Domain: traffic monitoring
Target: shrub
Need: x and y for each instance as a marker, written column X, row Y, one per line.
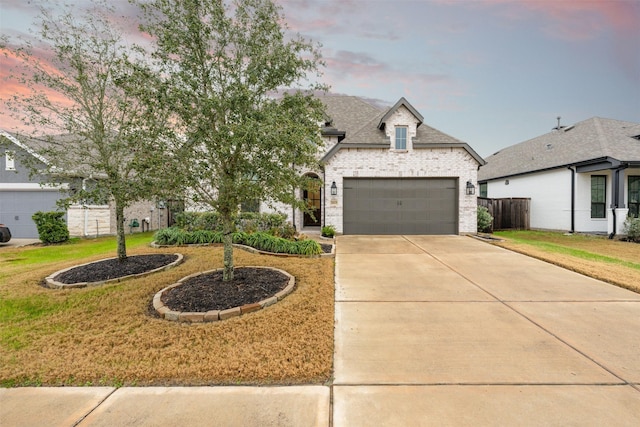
column 260, row 240
column 51, row 226
column 632, row 229
column 286, row 231
column 328, row 231
column 485, row 220
column 248, row 222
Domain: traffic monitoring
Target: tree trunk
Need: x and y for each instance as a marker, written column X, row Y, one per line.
column 122, row 246
column 227, row 240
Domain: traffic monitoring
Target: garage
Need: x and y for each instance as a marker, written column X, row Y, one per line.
column 17, row 207
column 400, row 206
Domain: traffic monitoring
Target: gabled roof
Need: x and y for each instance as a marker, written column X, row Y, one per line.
column 593, row 140
column 40, row 148
column 25, row 147
column 401, row 103
column 363, row 127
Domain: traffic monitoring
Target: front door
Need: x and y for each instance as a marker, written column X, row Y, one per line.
column 312, row 200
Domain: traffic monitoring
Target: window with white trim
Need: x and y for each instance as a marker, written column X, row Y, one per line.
column 401, row 137
column 10, row 160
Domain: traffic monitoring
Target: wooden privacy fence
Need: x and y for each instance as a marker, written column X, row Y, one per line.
column 509, row 213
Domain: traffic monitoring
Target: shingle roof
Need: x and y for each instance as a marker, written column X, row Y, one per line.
column 591, row 139
column 360, row 121
column 348, row 113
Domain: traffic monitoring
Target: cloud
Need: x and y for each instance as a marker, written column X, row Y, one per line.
column 360, row 73
column 326, row 18
column 580, row 21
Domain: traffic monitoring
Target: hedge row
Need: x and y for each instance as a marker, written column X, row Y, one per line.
column 248, row 222
column 259, row 240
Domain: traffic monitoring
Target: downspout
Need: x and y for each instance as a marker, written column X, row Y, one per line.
column 573, row 200
column 323, row 195
column 293, row 206
column 615, row 200
column 86, row 211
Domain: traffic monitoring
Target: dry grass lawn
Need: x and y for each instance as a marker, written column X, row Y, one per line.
column 106, row 336
column 612, row 261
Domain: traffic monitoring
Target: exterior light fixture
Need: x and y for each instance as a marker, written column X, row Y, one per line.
column 471, row 189
column 334, row 189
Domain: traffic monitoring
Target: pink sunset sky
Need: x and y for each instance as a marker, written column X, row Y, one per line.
column 489, row 72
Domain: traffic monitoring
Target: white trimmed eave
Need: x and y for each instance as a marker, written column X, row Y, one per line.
column 31, row 186
column 24, row 147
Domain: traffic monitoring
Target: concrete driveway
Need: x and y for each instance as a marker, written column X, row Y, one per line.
column 449, row 330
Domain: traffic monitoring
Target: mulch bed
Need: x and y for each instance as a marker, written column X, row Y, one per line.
column 208, row 292
column 114, row 268
column 326, row 248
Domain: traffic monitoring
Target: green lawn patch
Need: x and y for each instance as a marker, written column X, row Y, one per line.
column 549, row 242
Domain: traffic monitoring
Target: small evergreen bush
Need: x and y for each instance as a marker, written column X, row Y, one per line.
column 51, row 226
column 328, row 231
column 632, row 229
column 485, row 220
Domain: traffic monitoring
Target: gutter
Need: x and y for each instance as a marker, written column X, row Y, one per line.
column 600, row 160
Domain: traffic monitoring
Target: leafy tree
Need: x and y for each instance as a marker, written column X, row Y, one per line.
column 224, row 66
column 82, row 107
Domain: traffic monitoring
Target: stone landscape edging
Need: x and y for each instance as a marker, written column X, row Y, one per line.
column 215, row 315
column 52, row 283
column 250, row 250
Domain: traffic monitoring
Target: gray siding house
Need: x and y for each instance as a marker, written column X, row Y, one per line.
column 21, row 195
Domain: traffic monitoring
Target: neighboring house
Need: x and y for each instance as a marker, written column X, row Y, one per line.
column 21, row 195
column 386, row 172
column 581, row 178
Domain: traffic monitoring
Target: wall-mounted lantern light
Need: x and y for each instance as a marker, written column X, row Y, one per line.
column 471, row 189
column 334, row 189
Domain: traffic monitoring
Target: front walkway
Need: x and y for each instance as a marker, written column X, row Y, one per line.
column 429, row 331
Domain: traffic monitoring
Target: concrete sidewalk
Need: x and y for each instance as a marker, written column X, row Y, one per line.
column 429, row 331
column 165, row 406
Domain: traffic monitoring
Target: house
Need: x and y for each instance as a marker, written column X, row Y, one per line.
column 580, row 178
column 21, row 195
column 384, row 171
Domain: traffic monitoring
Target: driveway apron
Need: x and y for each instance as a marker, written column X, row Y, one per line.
column 449, row 330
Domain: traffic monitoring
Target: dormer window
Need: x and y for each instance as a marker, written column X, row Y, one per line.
column 401, row 137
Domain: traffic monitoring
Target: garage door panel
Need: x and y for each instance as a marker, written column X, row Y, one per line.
column 400, row 206
column 17, row 208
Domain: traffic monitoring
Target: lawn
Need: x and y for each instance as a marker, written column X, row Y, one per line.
column 613, row 261
column 106, row 335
